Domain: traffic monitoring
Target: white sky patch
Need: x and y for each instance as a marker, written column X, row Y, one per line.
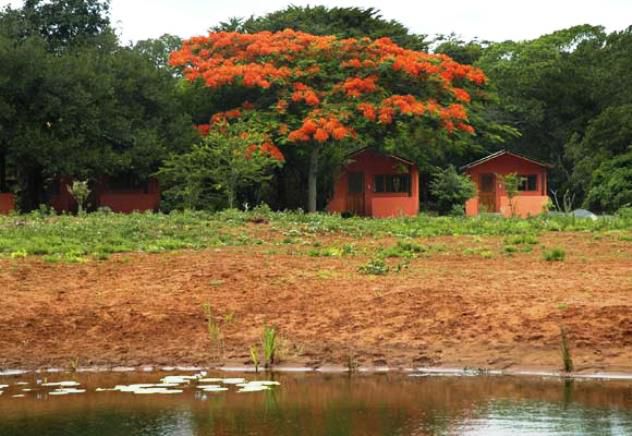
column 494, row 20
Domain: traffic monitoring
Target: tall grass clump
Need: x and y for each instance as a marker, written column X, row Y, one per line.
column 269, row 346
column 214, row 331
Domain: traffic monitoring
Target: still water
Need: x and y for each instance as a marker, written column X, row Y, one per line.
column 317, row 404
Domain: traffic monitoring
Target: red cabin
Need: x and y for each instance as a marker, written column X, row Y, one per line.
column 377, row 185
column 491, row 196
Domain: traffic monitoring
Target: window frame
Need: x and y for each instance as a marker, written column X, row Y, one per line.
column 406, row 189
column 525, row 185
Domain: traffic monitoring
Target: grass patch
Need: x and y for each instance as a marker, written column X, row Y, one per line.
column 376, row 267
column 93, row 236
column 554, row 254
column 405, row 249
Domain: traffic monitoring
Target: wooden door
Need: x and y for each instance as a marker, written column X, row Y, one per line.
column 487, row 193
column 355, row 193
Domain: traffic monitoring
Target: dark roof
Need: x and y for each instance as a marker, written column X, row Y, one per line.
column 501, row 153
column 399, row 158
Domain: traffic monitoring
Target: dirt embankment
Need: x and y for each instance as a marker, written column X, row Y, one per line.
column 446, row 308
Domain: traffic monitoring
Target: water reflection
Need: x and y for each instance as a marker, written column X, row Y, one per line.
column 311, row 404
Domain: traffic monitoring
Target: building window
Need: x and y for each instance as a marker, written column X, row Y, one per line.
column 528, row 183
column 392, row 183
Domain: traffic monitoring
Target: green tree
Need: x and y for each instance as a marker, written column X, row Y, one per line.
column 511, row 184
column 158, row 50
column 544, row 88
column 86, row 109
column 344, row 22
column 461, row 51
column 213, row 172
column 611, row 184
column 608, row 135
column 451, row 189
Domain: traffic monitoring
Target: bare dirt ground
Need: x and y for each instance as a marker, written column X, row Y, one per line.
column 445, row 308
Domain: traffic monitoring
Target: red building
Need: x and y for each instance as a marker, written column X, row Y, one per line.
column 377, row 185
column 121, row 194
column 491, row 197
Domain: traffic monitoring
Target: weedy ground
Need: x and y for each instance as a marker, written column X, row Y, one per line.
column 476, row 292
column 66, row 238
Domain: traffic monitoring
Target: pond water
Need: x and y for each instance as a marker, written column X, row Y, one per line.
column 317, row 404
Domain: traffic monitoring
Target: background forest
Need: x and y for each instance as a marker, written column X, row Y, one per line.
column 75, row 101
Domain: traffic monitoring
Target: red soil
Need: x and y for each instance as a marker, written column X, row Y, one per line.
column 447, row 308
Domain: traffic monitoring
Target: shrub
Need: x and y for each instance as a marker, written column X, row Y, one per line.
column 451, row 189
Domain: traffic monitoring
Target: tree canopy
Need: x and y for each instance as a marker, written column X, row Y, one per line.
column 321, row 91
column 343, row 22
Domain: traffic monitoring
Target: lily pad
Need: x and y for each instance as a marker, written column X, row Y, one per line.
column 62, row 384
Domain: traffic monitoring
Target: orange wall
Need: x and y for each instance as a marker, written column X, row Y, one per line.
column 526, row 203
column 7, row 203
column 379, row 205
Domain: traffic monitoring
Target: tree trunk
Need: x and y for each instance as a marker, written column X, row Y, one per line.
column 312, row 177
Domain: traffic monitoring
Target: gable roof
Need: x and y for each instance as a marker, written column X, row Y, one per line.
column 363, row 149
column 502, row 153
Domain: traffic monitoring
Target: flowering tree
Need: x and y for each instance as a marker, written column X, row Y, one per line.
column 323, row 91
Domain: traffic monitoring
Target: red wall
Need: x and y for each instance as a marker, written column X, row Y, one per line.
column 526, row 202
column 130, row 200
column 63, row 201
column 380, row 205
column 123, row 201
column 7, row 203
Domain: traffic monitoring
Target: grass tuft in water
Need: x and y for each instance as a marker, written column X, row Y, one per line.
column 254, row 356
column 269, row 346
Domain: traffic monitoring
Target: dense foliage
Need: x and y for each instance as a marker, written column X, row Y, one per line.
column 76, row 103
column 452, row 190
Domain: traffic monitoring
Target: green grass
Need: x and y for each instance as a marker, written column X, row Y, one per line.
column 65, row 238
